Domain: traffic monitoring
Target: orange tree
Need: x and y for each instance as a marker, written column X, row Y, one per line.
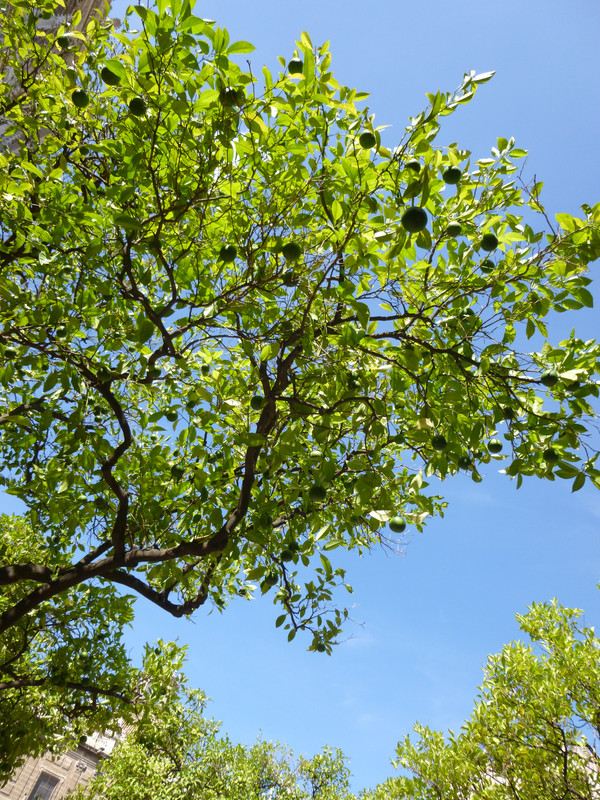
column 238, row 332
column 175, row 751
column 533, row 732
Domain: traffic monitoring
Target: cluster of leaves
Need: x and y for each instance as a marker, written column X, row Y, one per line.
column 222, row 355
column 534, row 731
column 174, row 751
column 65, row 674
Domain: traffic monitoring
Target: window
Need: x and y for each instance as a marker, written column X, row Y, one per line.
column 44, row 786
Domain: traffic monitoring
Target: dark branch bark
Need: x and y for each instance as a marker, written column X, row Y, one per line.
column 24, row 572
column 23, row 683
column 158, row 598
column 116, row 567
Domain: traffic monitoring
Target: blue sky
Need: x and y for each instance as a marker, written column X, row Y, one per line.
column 426, row 620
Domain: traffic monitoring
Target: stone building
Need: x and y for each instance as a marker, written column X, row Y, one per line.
column 52, row 777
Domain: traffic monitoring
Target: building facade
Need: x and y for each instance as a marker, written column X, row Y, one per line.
column 53, row 777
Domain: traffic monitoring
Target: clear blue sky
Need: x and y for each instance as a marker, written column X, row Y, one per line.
column 429, row 618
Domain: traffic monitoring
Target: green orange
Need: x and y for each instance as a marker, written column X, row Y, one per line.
column 414, row 219
column 452, row 175
column 397, row 525
column 228, row 253
column 80, row 98
column 488, row 242
column 367, row 140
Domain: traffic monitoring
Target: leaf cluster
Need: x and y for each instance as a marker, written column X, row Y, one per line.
column 534, row 729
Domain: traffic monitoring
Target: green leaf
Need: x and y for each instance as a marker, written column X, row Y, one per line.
column 126, row 221
column 116, row 66
column 145, row 330
column 240, row 47
column 483, row 77
column 305, row 39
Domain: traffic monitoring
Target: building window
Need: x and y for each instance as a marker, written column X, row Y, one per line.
column 44, row 786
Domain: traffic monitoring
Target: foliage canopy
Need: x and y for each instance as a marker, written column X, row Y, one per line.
column 535, row 728
column 174, row 751
column 224, row 356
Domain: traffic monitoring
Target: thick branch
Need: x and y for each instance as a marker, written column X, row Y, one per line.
column 24, row 572
column 158, row 598
column 23, row 683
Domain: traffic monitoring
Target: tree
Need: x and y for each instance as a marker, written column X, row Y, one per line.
column 66, row 671
column 174, row 751
column 535, row 727
column 239, row 332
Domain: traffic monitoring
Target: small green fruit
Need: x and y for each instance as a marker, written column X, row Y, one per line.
column 439, row 442
column 295, row 66
column 228, row 253
column 291, row 251
column 10, row 352
column 487, row 265
column 452, row 175
column 464, row 462
column 172, row 416
column 264, row 520
column 414, row 219
column 63, row 42
column 229, row 97
column 488, row 242
column 549, row 379
column 137, row 106
column 289, row 278
column 205, row 369
column 257, row 402
column 321, row 648
column 367, row 140
column 177, row 471
column 397, row 525
column 287, row 555
column 269, row 580
column 317, row 493
column 109, row 77
column 454, row 229
column 80, row 98
column 494, row 446
column 413, row 165
column 550, row 455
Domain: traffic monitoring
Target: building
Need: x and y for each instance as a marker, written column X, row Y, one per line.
column 53, row 777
